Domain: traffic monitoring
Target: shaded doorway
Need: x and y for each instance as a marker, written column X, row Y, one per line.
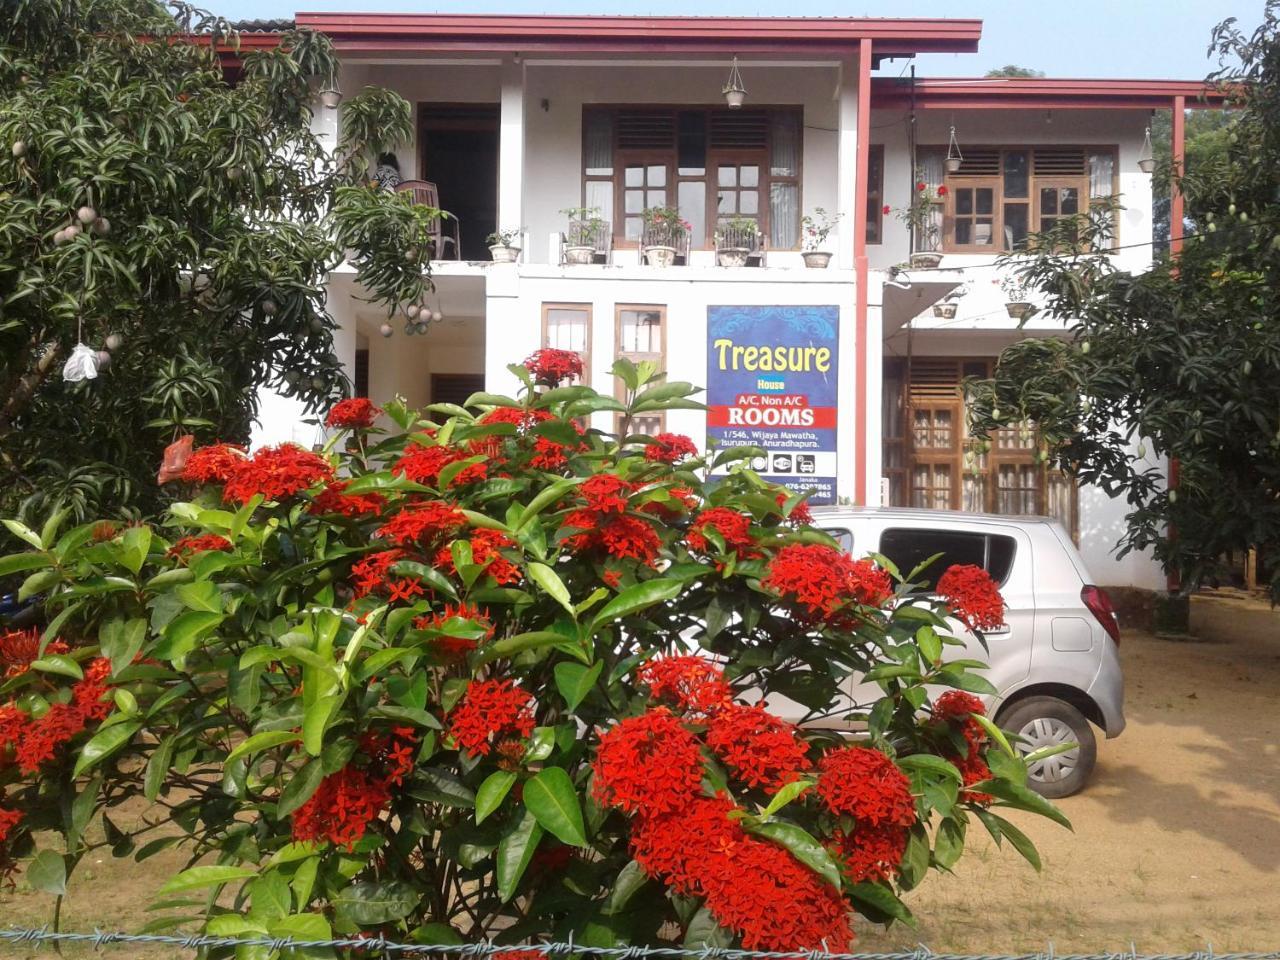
column 459, row 153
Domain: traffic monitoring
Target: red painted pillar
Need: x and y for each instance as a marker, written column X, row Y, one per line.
column 859, row 226
column 1176, row 209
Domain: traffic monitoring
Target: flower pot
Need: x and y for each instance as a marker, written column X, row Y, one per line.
column 923, row 261
column 1020, row 309
column 660, row 256
column 579, row 255
column 945, row 311
column 504, row 254
column 953, row 164
column 735, row 98
column 816, row 259
column 732, row 256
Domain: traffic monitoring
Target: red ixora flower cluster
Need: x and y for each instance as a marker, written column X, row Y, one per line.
column 373, row 575
column 956, row 709
column 864, row 784
column 354, row 413
column 213, row 464
column 821, row 581
column 423, row 464
column 30, row 741
column 426, row 524
column 651, row 766
column 276, row 473
column 800, row 515
column 606, row 527
column 185, row 547
column 550, row 455
column 759, row 749
column 552, row 367
column 972, row 596
column 692, row 683
column 733, row 527
column 20, row 648
column 670, row 448
column 335, row 499
column 486, row 547
column 491, row 713
column 450, row 647
column 347, row 802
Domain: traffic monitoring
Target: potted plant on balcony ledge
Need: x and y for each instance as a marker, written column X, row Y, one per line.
column 815, row 231
column 1017, row 297
column 736, row 238
column 586, row 229
column 919, row 216
column 664, row 235
column 504, row 245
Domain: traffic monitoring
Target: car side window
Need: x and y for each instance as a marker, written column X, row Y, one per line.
column 844, row 538
column 908, row 547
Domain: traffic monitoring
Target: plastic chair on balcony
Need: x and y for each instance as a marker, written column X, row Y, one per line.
column 424, row 192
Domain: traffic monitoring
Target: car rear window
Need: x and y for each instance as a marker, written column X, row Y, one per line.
column 908, row 547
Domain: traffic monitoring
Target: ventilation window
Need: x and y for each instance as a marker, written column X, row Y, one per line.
column 646, row 130
column 1059, row 162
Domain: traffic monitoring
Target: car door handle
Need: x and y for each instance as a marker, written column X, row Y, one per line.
column 998, row 631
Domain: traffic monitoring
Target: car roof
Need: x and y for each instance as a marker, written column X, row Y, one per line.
column 921, row 513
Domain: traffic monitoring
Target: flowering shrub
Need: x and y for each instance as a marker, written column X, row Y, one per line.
column 498, row 676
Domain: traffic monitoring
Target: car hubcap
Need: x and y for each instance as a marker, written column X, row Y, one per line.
column 1049, row 732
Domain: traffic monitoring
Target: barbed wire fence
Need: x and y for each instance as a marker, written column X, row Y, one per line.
column 99, row 939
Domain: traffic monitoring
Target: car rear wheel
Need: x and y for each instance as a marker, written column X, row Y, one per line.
column 1050, row 722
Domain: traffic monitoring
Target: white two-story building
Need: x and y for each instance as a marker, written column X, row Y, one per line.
column 520, row 118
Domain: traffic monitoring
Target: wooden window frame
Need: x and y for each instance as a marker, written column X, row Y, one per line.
column 875, row 195
column 670, row 157
column 545, row 340
column 660, row 357
column 954, row 181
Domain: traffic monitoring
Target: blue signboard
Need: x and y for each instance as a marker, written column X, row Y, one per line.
column 771, row 383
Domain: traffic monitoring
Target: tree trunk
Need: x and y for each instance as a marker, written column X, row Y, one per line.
column 20, row 397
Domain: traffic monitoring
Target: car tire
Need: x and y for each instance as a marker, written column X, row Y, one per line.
column 1046, row 721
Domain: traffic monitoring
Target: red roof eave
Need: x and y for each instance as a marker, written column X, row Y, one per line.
column 958, row 93
column 533, row 33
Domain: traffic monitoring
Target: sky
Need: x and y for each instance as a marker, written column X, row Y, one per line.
column 1162, row 39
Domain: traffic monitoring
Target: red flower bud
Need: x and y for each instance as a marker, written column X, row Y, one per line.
column 886, row 209
column 922, row 186
column 942, row 191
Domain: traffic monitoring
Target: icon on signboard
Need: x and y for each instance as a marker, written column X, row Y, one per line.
column 782, row 463
column 806, row 463
column 760, row 464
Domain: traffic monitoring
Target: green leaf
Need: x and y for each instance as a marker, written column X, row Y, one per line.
column 104, row 743
column 134, row 546
column 158, row 768
column 550, row 495
column 210, row 876
column 185, row 631
column 1022, row 798
column 996, row 734
column 316, row 720
column 302, row 926
column 18, row 562
column 515, row 850
column 367, row 903
column 930, row 644
column 625, row 886
column 802, row 846
column 200, row 596
column 550, row 581
column 784, row 796
column 880, row 899
column 23, row 532
column 963, row 680
column 492, row 792
column 58, row 663
column 508, row 646
column 928, row 762
column 121, row 640
column 949, row 843
column 551, row 797
column 705, row 931
column 38, row 583
column 998, row 826
column 262, row 741
column 48, row 872
column 635, row 598
column 915, row 860
column 300, row 788
column 574, row 681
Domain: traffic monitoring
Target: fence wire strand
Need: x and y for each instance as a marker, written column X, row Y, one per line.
column 99, row 938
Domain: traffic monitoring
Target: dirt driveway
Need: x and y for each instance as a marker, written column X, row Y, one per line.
column 1176, row 842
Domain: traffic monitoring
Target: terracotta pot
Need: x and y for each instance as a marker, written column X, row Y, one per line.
column 925, row 260
column 1020, row 309
column 946, row 311
column 816, row 259
column 660, row 256
column 579, row 255
column 732, row 256
column 504, row 254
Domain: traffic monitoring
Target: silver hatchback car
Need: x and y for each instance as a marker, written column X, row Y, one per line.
column 1055, row 664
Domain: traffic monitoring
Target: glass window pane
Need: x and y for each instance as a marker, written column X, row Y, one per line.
column 909, row 547
column 1101, row 174
column 1015, row 174
column 964, row 232
column 749, row 202
column 567, row 328
column 728, row 203
column 784, row 145
column 986, row 199
column 1070, row 200
column 727, row 176
column 784, row 215
column 633, row 201
column 691, row 197
column 964, row 201
column 633, row 226
column 657, row 176
column 1015, row 225
column 641, row 331
column 1048, row 200
column 597, row 148
column 983, row 233
column 600, row 197
column 633, row 176
column 692, row 143
column 656, row 198
column 750, row 175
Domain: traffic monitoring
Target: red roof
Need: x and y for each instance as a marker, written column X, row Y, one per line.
column 543, row 33
column 960, row 93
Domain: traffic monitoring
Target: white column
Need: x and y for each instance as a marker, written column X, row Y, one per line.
column 846, row 159
column 511, row 147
